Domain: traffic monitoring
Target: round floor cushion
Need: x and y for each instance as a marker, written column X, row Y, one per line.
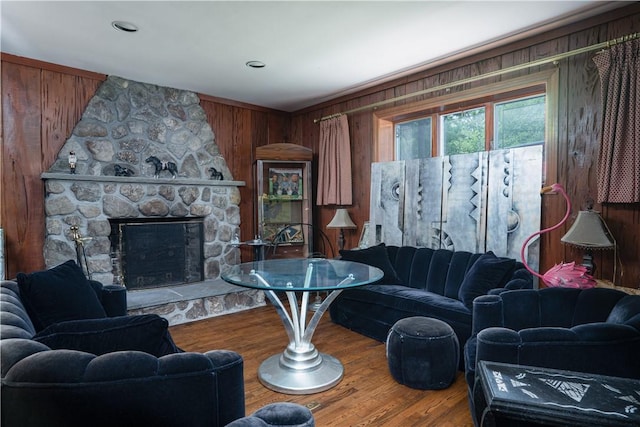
column 423, row 353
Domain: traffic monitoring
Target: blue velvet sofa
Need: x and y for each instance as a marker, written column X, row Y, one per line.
column 435, row 283
column 590, row 330
column 69, row 357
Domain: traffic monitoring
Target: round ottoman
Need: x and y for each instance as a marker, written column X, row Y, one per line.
column 423, row 353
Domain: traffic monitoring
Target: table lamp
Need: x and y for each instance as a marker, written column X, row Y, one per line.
column 341, row 220
column 589, row 232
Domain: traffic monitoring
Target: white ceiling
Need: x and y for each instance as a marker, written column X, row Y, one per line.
column 313, row 51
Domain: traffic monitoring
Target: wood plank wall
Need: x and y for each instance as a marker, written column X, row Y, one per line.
column 578, row 134
column 41, row 103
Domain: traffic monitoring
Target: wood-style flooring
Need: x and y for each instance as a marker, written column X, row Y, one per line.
column 367, row 394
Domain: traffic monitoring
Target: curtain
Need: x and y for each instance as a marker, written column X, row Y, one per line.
column 619, row 161
column 334, row 163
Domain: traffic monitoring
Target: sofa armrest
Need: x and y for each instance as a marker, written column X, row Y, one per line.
column 113, row 299
column 229, row 367
column 487, row 312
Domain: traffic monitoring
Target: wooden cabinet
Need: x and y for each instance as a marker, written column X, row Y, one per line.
column 284, row 192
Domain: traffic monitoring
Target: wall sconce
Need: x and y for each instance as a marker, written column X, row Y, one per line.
column 341, row 220
column 589, row 232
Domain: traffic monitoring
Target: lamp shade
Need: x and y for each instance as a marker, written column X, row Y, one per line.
column 589, row 231
column 341, row 220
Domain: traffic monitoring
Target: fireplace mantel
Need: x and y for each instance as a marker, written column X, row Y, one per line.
column 140, row 180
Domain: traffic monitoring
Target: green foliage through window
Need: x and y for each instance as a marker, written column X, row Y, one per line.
column 516, row 122
column 463, row 132
column 519, row 122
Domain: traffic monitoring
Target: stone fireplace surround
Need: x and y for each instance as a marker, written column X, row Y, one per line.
column 123, row 124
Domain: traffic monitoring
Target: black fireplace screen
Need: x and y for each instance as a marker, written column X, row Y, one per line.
column 154, row 254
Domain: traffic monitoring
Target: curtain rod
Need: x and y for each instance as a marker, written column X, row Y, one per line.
column 554, row 58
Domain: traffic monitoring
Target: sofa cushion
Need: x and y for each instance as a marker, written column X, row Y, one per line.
column 147, row 333
column 59, row 294
column 486, row 273
column 375, row 256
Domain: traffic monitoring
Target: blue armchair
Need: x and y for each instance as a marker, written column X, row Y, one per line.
column 586, row 330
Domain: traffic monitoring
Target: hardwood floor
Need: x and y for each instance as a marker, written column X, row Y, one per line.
column 367, row 394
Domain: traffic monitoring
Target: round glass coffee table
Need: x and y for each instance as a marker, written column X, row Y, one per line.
column 301, row 369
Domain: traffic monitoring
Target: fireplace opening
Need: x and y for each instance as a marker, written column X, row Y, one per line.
column 151, row 253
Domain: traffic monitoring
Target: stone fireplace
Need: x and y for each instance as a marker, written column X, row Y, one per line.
column 123, row 125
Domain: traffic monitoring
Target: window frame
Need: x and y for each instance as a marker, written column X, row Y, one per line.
column 384, row 119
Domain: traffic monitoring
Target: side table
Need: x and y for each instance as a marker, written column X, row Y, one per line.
column 555, row 398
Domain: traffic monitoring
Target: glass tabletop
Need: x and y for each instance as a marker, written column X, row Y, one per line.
column 302, row 274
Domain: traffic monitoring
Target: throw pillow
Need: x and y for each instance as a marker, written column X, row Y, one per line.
column 59, row 294
column 375, row 256
column 146, row 332
column 488, row 272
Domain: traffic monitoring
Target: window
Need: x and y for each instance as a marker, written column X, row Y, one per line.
column 519, row 122
column 462, row 132
column 513, row 112
column 413, row 139
column 491, row 124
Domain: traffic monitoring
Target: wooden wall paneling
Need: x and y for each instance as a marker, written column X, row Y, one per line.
column 221, row 119
column 85, row 89
column 624, row 222
column 277, row 129
column 511, row 59
column 22, row 190
column 583, row 119
column 58, row 113
column 361, row 158
column 261, row 129
column 243, row 167
column 487, row 66
column 623, row 26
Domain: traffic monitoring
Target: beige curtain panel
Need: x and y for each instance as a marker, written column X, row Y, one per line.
column 619, row 161
column 334, row 163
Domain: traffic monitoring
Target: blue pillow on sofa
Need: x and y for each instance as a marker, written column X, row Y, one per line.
column 145, row 332
column 375, row 256
column 59, row 294
column 488, row 272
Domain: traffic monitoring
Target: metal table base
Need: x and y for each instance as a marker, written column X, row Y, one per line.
column 300, row 369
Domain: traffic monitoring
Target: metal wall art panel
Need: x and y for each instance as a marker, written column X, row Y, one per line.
column 386, row 219
column 463, row 204
column 486, row 201
column 423, row 190
column 513, row 209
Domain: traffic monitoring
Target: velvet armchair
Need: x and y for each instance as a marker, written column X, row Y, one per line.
column 586, row 330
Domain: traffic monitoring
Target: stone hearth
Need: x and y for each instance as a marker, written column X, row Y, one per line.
column 123, row 125
column 186, row 303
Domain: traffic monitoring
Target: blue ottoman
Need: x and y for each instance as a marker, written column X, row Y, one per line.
column 423, row 353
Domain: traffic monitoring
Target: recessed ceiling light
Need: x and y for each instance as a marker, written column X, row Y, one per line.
column 126, row 27
column 256, row 64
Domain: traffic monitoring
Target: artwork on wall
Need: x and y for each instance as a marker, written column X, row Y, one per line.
column 285, row 183
column 471, row 202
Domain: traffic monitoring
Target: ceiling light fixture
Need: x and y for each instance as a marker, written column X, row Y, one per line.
column 126, row 27
column 256, row 64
